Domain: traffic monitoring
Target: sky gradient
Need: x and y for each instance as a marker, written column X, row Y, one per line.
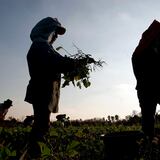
column 107, row 29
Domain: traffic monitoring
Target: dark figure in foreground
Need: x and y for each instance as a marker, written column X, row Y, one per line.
column 45, row 67
column 4, row 108
column 146, row 67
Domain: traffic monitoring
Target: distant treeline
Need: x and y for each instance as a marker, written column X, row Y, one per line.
column 134, row 119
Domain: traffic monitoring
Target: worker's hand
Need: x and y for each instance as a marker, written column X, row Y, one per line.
column 90, row 60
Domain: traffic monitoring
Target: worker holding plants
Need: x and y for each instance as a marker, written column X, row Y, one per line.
column 45, row 66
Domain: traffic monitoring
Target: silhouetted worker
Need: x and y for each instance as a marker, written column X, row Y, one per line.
column 4, row 108
column 146, row 67
column 28, row 121
column 63, row 119
column 45, row 68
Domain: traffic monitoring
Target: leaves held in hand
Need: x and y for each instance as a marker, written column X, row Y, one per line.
column 81, row 74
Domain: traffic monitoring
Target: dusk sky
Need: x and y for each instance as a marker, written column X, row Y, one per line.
column 107, row 29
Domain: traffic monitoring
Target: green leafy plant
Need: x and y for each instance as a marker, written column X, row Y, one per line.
column 85, row 64
column 6, row 152
column 81, row 140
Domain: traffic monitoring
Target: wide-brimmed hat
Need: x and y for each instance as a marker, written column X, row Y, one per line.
column 8, row 102
column 46, row 26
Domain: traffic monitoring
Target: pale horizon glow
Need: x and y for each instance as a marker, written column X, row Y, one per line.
column 107, row 29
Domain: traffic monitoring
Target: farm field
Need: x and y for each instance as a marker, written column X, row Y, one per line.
column 80, row 140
